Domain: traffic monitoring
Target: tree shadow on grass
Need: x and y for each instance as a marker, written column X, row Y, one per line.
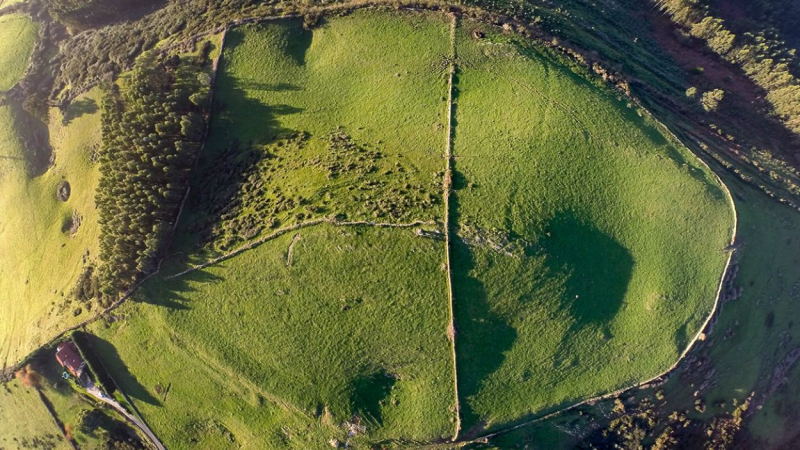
column 35, row 137
column 368, row 392
column 175, row 294
column 597, row 270
column 79, row 108
column 482, row 336
column 241, row 126
column 119, row 371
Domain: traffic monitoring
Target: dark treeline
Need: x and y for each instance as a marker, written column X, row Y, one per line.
column 152, row 131
column 781, row 15
column 89, row 13
column 759, row 52
column 98, row 371
column 87, row 58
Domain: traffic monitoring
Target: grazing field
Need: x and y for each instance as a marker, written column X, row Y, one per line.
column 347, row 120
column 751, row 338
column 17, row 35
column 590, row 246
column 587, row 252
column 305, row 341
column 25, row 420
column 51, row 239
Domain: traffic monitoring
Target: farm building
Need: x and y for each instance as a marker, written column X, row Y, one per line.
column 68, row 356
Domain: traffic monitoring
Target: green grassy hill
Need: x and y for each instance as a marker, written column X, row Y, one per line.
column 341, row 121
column 587, row 255
column 314, row 340
column 36, row 285
column 17, row 35
column 615, row 235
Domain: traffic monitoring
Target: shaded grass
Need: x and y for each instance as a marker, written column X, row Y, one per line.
column 754, row 332
column 40, row 262
column 623, row 235
column 314, row 343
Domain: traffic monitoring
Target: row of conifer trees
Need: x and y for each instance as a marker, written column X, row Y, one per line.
column 152, row 131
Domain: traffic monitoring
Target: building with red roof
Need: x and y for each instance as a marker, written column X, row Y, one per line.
column 68, row 356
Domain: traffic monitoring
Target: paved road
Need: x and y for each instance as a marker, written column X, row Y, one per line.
column 131, row 418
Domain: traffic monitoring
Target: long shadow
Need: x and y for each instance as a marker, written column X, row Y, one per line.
column 241, row 125
column 79, row 108
column 119, row 371
column 175, row 294
column 35, row 137
column 482, row 336
column 597, row 270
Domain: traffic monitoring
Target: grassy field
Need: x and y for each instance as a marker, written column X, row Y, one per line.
column 570, row 269
column 750, row 338
column 17, row 35
column 587, row 255
column 344, row 120
column 25, row 420
column 755, row 332
column 35, row 285
column 591, row 246
column 307, row 344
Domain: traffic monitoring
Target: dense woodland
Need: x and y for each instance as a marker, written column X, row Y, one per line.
column 152, row 129
column 88, row 57
column 88, row 13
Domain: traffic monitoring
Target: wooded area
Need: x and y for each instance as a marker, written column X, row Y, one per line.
column 152, row 129
column 759, row 51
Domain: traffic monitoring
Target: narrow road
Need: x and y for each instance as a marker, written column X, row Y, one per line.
column 94, row 392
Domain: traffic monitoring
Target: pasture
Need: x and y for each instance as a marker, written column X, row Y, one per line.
column 312, row 339
column 346, row 120
column 51, row 239
column 26, row 422
column 591, row 245
column 17, row 35
column 587, row 249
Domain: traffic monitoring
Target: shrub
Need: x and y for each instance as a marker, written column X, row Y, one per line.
column 711, row 99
